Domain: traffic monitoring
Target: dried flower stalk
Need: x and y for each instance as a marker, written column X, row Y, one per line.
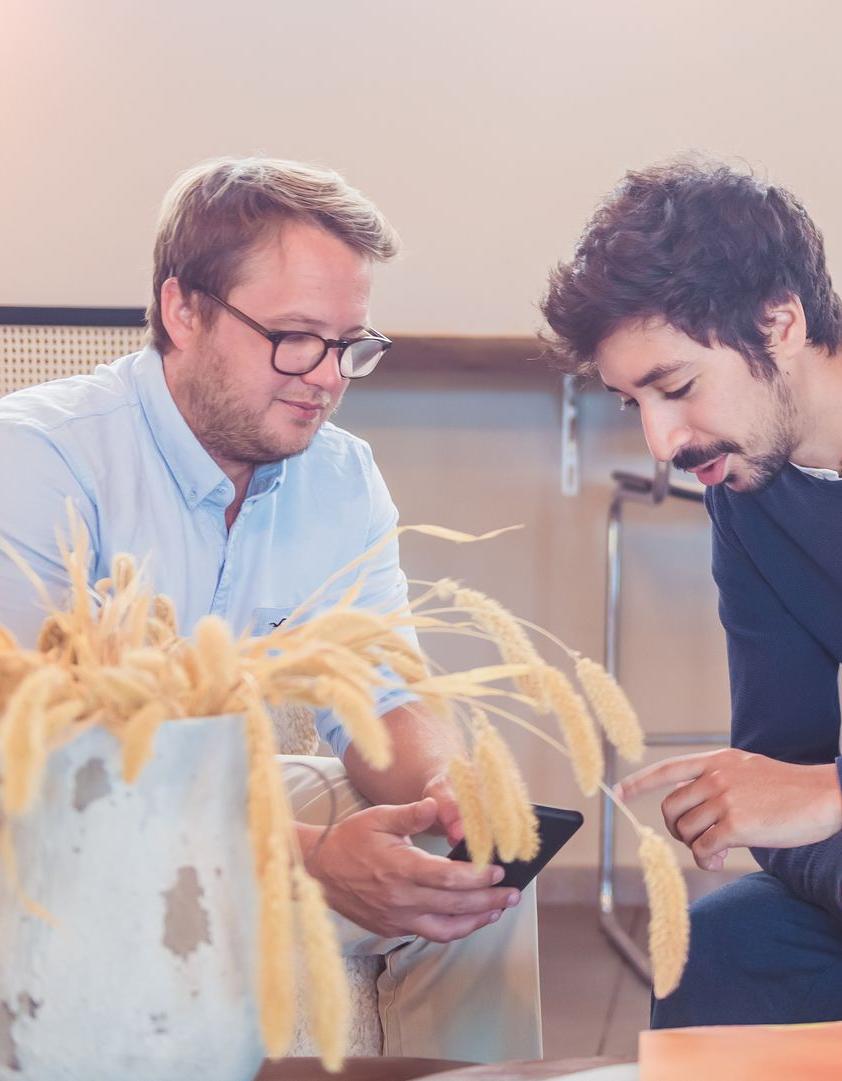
column 114, row 658
column 512, row 641
column 328, row 1002
column 513, row 824
column 577, row 728
column 269, row 826
column 612, row 707
column 475, row 820
column 669, row 923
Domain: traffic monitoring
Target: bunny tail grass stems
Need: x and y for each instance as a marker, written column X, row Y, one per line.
column 510, row 638
column 612, row 708
column 218, row 661
column 9, row 864
column 669, row 922
column 355, row 709
column 439, row 532
column 475, row 821
column 270, row 824
column 123, row 571
column 14, row 667
column 328, row 999
column 163, row 610
column 577, row 727
column 76, row 563
column 137, row 737
column 409, row 669
column 505, row 798
column 23, row 741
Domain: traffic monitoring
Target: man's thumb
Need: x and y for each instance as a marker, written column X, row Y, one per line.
column 408, row 818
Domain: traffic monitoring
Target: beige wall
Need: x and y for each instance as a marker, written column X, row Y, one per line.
column 486, row 129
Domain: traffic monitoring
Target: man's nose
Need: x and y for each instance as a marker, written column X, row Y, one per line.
column 326, row 373
column 664, row 431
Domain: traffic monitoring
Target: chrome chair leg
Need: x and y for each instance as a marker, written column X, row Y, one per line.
column 630, row 487
column 610, row 925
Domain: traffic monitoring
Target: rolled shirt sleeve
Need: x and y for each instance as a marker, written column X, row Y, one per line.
column 384, row 589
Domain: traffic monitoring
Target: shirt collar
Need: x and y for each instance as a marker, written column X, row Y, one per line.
column 822, row 474
column 196, row 473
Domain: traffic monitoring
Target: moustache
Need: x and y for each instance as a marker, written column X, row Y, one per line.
column 694, row 456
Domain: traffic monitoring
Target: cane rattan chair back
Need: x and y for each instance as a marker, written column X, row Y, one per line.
column 39, row 344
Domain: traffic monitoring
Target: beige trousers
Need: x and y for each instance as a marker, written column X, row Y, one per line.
column 476, row 999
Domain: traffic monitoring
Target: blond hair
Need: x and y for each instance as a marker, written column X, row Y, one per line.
column 216, row 212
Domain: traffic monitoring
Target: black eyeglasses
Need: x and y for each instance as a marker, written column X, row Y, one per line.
column 297, row 352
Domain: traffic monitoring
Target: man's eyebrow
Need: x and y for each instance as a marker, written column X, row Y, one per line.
column 313, row 324
column 660, row 371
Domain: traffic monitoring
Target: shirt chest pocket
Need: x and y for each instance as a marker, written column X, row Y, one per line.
column 266, row 620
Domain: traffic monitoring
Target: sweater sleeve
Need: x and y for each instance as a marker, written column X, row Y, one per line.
column 784, row 698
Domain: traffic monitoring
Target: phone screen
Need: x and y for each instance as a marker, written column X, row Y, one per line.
column 555, row 828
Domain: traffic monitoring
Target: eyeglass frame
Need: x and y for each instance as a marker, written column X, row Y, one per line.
column 277, row 336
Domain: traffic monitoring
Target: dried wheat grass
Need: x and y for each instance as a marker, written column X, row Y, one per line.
column 114, row 658
column 612, row 708
column 270, row 823
column 475, row 820
column 577, row 727
column 511, row 639
column 505, row 798
column 669, row 922
column 23, row 738
column 328, row 1001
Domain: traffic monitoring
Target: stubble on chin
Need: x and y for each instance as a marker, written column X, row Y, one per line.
column 230, row 431
column 761, row 469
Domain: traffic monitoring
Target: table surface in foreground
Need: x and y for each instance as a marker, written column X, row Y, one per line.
column 356, row 1069
column 407, row 1069
column 542, row 1070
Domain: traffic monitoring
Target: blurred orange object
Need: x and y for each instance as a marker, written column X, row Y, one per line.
column 743, row 1053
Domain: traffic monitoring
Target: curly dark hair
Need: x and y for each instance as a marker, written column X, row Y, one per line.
column 702, row 246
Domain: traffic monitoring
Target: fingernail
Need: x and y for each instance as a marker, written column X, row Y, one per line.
column 494, row 916
column 512, row 900
column 498, row 875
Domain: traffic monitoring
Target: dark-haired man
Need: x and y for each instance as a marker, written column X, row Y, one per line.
column 700, row 295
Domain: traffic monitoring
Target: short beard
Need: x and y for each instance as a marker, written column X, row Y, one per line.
column 226, row 428
column 761, row 468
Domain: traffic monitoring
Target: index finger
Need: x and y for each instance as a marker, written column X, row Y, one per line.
column 685, row 767
column 439, row 872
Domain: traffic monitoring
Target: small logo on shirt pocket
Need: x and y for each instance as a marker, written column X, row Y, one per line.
column 266, row 620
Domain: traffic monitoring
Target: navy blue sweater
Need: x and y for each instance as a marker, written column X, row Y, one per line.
column 777, row 559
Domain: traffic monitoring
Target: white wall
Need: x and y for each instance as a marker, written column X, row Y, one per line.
column 487, row 130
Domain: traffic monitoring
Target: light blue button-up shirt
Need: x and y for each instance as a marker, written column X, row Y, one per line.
column 116, row 443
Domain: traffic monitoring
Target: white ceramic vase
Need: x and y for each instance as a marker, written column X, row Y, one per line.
column 149, row 973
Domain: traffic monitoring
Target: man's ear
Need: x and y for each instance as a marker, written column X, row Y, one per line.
column 179, row 314
column 787, row 329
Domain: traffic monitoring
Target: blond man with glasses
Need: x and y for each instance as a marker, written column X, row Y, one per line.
column 211, row 454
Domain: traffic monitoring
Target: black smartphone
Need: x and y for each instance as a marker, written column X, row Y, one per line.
column 555, row 828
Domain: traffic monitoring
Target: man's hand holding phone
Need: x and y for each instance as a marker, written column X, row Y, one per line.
column 373, row 874
column 555, row 828
column 448, row 816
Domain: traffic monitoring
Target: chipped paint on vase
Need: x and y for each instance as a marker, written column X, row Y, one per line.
column 148, row 972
